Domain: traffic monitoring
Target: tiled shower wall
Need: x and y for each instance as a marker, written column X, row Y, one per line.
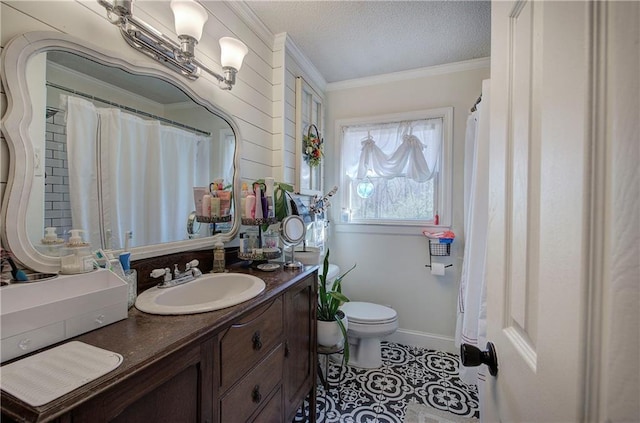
column 57, row 205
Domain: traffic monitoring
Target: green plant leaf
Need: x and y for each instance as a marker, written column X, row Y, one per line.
column 346, row 338
column 280, row 199
column 339, row 296
column 329, row 301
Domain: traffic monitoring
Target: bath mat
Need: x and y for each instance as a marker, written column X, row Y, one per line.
column 418, row 413
column 48, row 375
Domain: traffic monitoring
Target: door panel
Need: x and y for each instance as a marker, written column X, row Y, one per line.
column 537, row 240
column 522, row 165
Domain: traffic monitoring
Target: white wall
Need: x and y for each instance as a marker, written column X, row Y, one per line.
column 391, row 267
column 289, row 64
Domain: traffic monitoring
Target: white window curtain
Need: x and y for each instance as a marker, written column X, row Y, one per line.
column 388, row 150
column 138, row 191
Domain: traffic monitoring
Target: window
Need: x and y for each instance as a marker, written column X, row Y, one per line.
column 396, row 169
column 309, row 111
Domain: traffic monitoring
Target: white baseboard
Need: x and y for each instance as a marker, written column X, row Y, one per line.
column 424, row 340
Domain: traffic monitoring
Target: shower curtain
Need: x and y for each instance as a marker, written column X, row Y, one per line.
column 144, row 170
column 82, row 124
column 471, row 313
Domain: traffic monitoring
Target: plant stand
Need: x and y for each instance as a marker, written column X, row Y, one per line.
column 324, row 377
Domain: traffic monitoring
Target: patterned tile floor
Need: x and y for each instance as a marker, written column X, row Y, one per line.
column 408, row 374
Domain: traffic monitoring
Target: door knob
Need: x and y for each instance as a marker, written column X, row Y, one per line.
column 471, row 356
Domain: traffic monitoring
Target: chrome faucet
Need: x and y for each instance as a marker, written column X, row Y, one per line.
column 190, row 273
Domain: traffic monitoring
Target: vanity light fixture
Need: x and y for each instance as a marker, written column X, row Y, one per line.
column 189, row 21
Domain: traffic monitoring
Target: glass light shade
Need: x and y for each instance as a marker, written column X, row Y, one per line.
column 189, row 18
column 232, row 52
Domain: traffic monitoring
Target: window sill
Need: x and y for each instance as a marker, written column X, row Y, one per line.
column 411, row 230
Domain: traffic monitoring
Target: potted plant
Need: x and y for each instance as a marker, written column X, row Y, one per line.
column 332, row 322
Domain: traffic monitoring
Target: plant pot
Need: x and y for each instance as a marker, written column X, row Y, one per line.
column 329, row 333
column 310, row 256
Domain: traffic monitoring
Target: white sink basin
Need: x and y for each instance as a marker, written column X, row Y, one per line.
column 207, row 293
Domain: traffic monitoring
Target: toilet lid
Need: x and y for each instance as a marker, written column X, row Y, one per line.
column 359, row 312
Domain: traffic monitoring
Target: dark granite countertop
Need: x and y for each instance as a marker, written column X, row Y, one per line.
column 144, row 339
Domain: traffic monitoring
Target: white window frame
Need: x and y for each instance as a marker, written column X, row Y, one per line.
column 443, row 183
column 309, row 181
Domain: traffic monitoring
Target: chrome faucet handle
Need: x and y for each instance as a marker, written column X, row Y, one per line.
column 194, row 270
column 166, row 272
column 191, row 264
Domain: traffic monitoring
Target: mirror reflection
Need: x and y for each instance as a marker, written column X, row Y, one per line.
column 122, row 155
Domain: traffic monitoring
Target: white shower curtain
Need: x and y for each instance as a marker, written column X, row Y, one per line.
column 82, row 125
column 471, row 316
column 139, row 191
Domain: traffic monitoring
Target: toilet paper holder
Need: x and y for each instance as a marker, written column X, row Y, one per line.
column 438, row 248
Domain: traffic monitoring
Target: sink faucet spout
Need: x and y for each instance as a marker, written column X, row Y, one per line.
column 190, row 273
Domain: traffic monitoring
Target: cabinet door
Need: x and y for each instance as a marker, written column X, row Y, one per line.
column 300, row 344
column 168, row 391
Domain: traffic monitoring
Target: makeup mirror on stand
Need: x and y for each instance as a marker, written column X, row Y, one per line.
column 292, row 232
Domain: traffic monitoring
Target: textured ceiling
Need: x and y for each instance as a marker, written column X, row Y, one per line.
column 356, row 39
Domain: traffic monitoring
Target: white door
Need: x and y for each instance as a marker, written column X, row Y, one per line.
column 537, row 267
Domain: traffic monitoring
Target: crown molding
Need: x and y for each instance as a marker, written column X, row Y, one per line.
column 312, row 74
column 278, row 42
column 246, row 15
column 466, row 65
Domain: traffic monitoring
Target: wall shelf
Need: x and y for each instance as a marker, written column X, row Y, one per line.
column 437, row 248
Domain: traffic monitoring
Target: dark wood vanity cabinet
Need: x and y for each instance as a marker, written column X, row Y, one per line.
column 251, row 362
column 258, row 368
column 268, row 359
column 300, row 346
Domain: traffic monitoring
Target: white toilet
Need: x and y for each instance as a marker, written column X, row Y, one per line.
column 368, row 324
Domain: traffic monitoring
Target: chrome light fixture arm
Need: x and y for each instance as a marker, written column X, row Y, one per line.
column 178, row 57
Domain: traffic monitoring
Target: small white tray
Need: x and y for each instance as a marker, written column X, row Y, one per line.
column 43, row 377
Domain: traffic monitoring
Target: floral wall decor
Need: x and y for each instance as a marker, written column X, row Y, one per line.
column 312, row 146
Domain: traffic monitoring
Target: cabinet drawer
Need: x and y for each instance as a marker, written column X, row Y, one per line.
column 32, row 340
column 248, row 341
column 95, row 319
column 254, row 389
column 272, row 412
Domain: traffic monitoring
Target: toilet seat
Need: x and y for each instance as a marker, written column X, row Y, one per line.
column 369, row 313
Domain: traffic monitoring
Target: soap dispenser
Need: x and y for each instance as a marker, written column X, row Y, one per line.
column 218, row 258
column 50, row 244
column 75, row 256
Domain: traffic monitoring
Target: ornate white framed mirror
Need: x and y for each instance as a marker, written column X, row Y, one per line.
column 142, row 184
